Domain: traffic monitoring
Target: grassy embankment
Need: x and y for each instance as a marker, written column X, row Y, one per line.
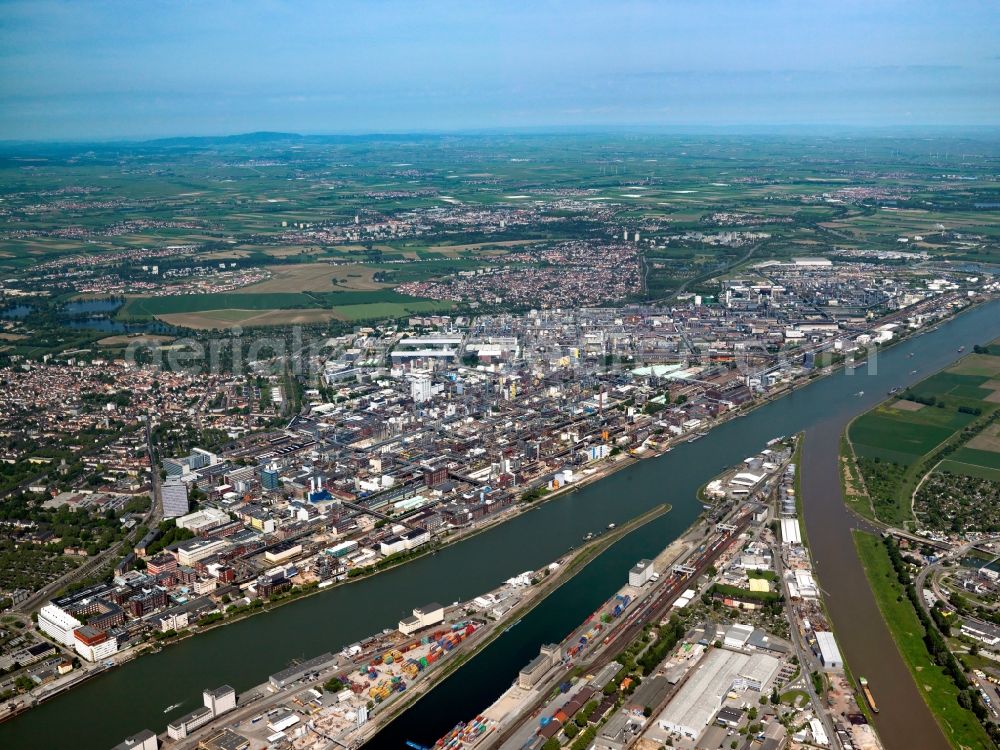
column 940, row 694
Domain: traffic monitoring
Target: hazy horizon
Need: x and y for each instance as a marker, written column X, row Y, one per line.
column 117, row 70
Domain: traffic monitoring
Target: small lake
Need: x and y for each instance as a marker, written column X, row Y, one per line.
column 91, row 306
column 18, row 311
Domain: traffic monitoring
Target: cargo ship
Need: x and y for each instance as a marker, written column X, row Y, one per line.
column 868, row 694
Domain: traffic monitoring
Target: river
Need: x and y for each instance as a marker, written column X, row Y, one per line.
column 101, row 712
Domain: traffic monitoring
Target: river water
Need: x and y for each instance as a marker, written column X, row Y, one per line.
column 101, row 712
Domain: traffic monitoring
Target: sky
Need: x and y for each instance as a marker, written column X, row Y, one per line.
column 150, row 68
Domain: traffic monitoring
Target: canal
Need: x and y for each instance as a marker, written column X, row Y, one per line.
column 101, row 712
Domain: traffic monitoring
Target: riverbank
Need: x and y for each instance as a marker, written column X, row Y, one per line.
column 939, row 692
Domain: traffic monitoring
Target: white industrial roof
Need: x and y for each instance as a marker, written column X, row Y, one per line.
column 693, row 707
column 790, row 533
column 828, row 647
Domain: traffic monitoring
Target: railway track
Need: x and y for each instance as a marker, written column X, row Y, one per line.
column 649, row 611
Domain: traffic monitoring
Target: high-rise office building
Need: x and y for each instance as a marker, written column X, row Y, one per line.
column 175, row 498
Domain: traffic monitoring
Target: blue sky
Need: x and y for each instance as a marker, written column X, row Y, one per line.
column 146, row 68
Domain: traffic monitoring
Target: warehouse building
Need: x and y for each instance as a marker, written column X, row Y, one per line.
column 182, row 727
column 829, row 652
column 641, row 574
column 537, row 667
column 220, row 700
column 423, row 617
column 738, row 635
column 719, row 672
column 790, row 533
column 227, row 739
column 287, row 676
column 144, row 740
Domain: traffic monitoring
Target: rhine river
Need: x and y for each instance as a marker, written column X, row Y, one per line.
column 108, row 708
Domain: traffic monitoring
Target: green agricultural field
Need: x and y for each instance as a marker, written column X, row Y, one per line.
column 903, row 437
column 899, row 442
column 241, row 307
column 973, row 457
column 953, row 384
column 150, row 307
column 970, row 470
column 383, row 310
column 939, row 692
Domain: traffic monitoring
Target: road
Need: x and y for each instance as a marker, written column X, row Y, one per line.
column 807, row 660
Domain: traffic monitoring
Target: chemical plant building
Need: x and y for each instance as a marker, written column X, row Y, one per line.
column 435, row 434
column 63, row 620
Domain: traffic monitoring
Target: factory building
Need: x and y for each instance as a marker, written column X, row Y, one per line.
column 283, row 552
column 343, row 549
column 57, row 623
column 202, row 520
column 404, row 542
column 94, row 645
column 188, row 553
